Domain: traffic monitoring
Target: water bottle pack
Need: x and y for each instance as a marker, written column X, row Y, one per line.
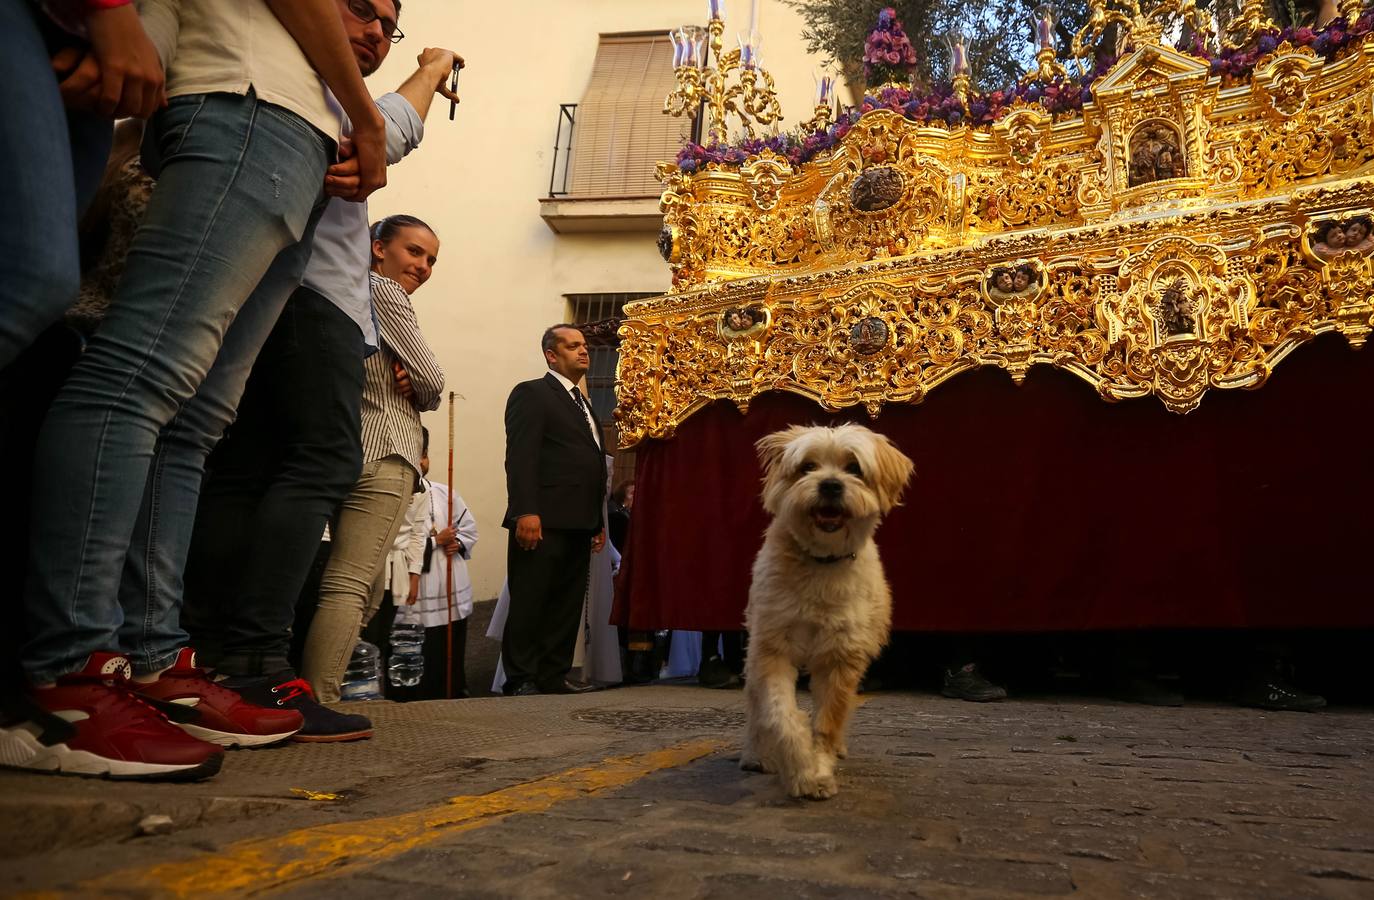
column 407, row 664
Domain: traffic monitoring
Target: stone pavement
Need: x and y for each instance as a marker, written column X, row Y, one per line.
column 516, row 798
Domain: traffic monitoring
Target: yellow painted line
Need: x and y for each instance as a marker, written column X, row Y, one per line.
column 262, row 864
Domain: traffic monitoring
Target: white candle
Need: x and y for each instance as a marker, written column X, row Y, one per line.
column 754, row 17
column 715, row 9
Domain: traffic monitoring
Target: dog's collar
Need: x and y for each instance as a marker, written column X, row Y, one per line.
column 827, row 560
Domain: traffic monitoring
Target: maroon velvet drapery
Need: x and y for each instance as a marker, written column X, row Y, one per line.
column 1044, row 508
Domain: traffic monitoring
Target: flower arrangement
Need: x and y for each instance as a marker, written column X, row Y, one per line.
column 888, row 54
column 1062, row 97
column 1235, row 66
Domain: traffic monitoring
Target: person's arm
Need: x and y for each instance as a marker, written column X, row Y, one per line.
column 524, row 434
column 403, row 112
column 319, row 32
column 121, row 74
column 399, row 330
column 430, row 78
column 465, row 525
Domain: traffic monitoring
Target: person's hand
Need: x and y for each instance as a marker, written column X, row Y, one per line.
column 414, row 594
column 403, row 385
column 448, row 541
column 440, row 63
column 130, row 80
column 342, row 178
column 599, row 542
column 528, row 532
column 369, row 151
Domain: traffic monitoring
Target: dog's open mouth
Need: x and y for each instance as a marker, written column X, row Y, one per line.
column 829, row 517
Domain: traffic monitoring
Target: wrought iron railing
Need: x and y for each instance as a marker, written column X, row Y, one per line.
column 567, row 119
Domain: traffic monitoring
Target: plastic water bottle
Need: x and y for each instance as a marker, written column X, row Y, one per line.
column 407, row 664
column 363, row 677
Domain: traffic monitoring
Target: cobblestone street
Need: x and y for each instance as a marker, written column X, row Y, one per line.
column 637, row 792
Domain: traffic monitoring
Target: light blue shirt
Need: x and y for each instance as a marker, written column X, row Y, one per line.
column 342, row 252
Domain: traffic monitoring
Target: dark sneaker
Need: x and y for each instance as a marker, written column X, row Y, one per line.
column 1273, row 692
column 114, row 732
column 220, row 715
column 715, row 673
column 285, row 690
column 968, row 683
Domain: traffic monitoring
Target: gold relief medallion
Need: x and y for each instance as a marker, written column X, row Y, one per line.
column 744, row 322
column 876, row 189
column 1330, row 238
column 868, row 335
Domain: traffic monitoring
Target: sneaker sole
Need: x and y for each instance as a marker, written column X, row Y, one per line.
column 230, row 740
column 332, row 738
column 972, row 698
column 21, row 750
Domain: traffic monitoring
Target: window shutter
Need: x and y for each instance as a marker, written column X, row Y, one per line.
column 621, row 133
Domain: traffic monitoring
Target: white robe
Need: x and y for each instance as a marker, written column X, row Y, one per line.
column 433, row 602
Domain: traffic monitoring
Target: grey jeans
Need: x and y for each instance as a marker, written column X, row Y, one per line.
column 362, row 535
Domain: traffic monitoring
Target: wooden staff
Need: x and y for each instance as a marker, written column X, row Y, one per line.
column 448, row 564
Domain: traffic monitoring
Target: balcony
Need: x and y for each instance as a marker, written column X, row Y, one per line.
column 608, row 195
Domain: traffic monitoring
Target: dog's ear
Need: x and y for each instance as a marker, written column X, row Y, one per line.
column 771, row 447
column 894, row 471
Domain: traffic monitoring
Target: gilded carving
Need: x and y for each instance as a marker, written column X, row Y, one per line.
column 1178, row 236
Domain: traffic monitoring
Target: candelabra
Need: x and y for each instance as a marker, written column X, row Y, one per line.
column 1047, row 67
column 825, row 101
column 959, row 72
column 703, row 75
column 1252, row 20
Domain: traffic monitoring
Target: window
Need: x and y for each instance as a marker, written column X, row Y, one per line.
column 601, row 313
column 621, row 132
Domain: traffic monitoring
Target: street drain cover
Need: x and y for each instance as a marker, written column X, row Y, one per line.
column 650, row 720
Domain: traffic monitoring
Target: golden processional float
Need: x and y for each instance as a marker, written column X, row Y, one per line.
column 1182, row 224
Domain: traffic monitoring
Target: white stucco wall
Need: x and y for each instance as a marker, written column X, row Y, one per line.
column 502, row 273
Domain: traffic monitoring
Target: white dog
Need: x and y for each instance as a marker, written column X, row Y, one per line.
column 818, row 600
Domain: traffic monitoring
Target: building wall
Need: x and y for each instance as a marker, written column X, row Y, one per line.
column 502, row 273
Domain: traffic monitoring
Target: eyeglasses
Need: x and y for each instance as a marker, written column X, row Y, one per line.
column 362, row 10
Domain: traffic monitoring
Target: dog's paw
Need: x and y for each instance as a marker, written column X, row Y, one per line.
column 842, row 751
column 813, row 787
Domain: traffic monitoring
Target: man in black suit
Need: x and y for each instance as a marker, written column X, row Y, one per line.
column 555, row 485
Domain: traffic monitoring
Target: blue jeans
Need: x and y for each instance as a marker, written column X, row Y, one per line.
column 224, row 242
column 51, row 163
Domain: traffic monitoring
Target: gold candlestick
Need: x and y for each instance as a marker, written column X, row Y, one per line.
column 751, row 97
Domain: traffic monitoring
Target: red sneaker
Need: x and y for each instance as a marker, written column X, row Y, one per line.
column 115, row 732
column 221, row 716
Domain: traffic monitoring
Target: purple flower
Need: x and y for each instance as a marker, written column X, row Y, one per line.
column 1267, row 44
column 687, row 165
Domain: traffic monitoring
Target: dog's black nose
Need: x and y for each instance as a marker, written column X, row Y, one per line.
column 831, row 488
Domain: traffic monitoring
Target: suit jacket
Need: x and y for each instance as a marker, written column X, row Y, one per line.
column 554, row 468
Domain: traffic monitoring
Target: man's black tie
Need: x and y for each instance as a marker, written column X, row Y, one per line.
column 582, row 405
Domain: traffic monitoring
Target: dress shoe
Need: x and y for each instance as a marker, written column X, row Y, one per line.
column 524, row 690
column 967, row 682
column 715, row 672
column 569, row 687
